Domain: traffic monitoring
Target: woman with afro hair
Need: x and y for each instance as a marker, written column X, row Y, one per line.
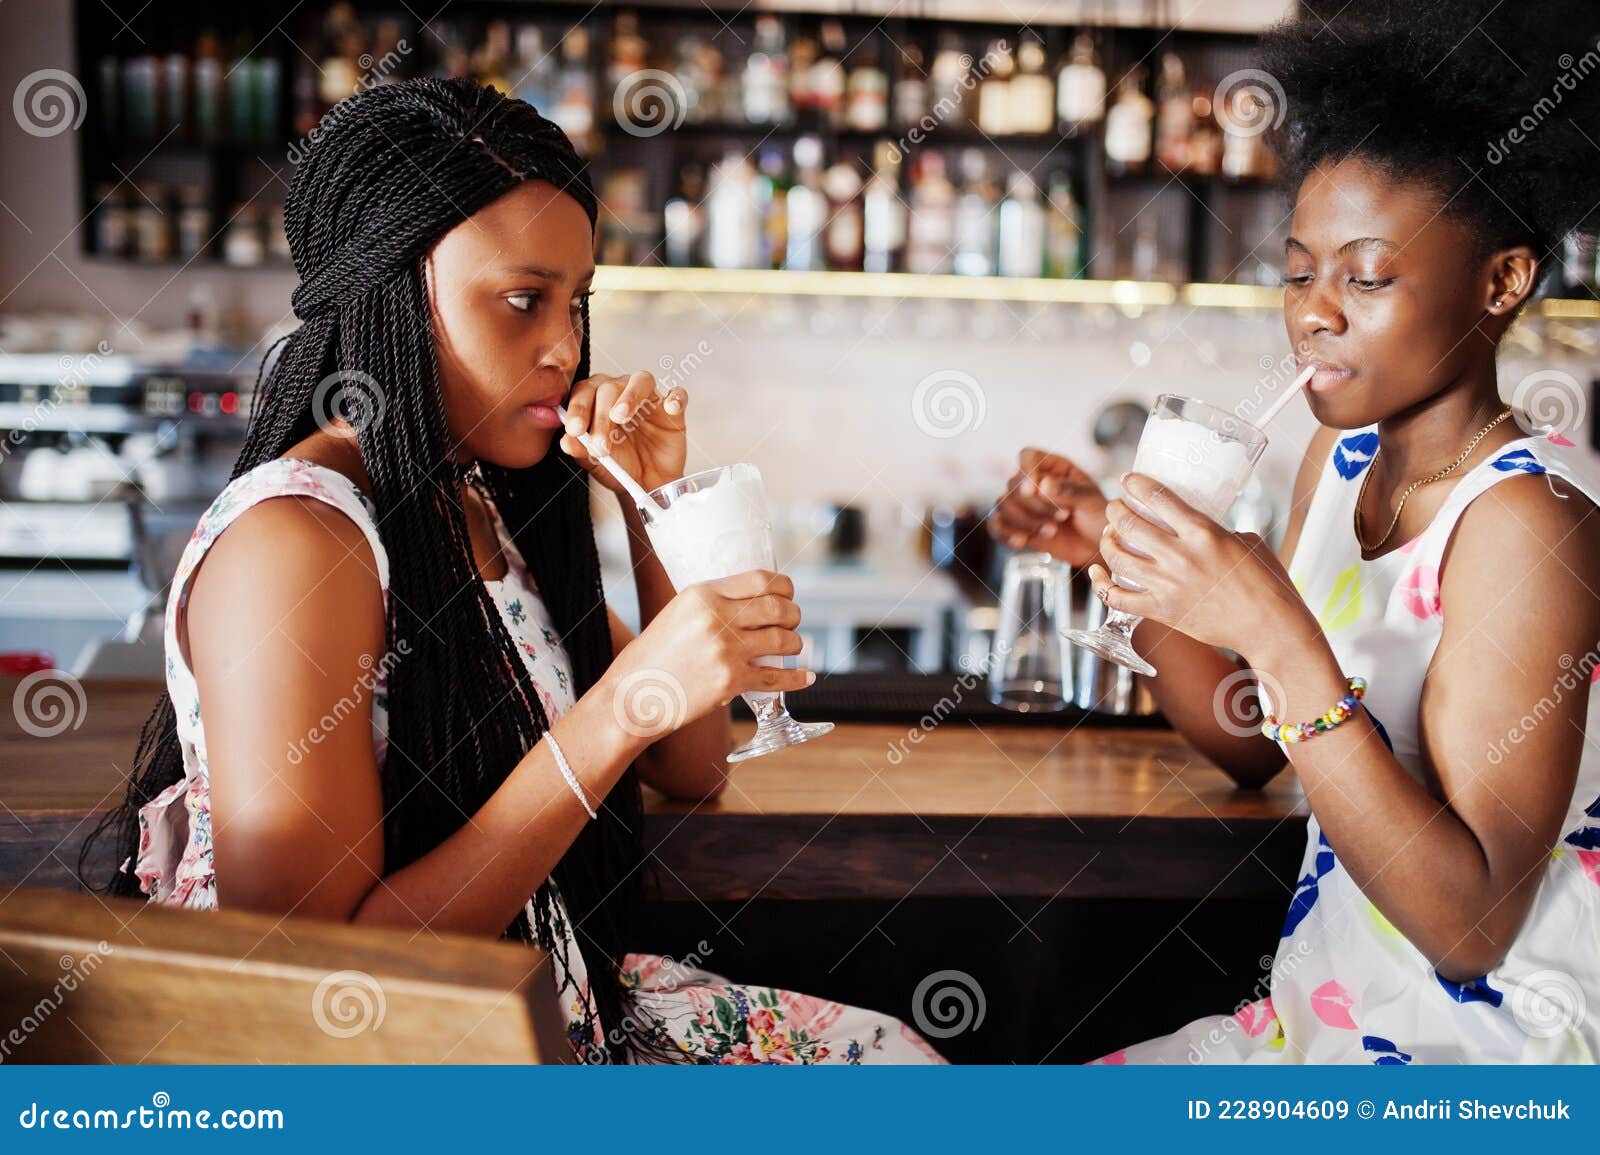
column 1441, row 546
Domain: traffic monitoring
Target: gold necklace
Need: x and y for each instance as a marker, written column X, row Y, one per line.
column 1415, row 485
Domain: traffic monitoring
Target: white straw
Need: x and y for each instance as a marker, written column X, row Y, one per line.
column 1288, row 395
column 636, row 491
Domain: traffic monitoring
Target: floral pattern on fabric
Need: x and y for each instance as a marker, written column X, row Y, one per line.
column 702, row 1014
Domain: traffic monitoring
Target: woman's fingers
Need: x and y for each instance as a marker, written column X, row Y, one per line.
column 637, row 391
column 753, row 584
column 601, row 427
column 772, row 641
column 675, row 405
column 766, row 610
column 580, row 405
column 777, row 680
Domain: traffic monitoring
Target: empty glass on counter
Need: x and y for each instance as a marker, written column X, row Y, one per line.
column 1030, row 661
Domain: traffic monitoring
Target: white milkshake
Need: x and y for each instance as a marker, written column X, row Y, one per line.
column 713, row 525
column 1205, row 468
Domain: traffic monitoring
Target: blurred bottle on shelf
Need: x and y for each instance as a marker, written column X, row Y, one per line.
column 1205, row 136
column 629, row 54
column 867, row 92
column 994, row 90
column 772, row 195
column 194, row 222
column 910, row 86
column 113, row 221
column 1128, row 124
column 1245, row 153
column 573, row 110
column 139, row 95
column 807, row 208
column 828, row 75
column 699, row 71
column 626, row 224
column 1174, row 114
column 536, row 68
column 109, row 91
column 175, row 119
column 491, row 62
column 883, row 213
column 152, row 224
column 1063, row 246
column 1080, row 86
column 931, row 228
column 977, row 224
column 683, row 220
column 242, row 242
column 207, row 88
column 949, row 82
column 842, row 234
column 733, row 226
column 764, row 91
column 1033, row 97
column 343, row 41
column 1022, row 229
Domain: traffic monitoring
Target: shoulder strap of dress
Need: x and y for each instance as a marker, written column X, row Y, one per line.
column 1341, row 473
column 1541, row 455
column 292, row 477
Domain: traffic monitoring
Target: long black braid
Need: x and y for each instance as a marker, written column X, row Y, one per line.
column 392, row 170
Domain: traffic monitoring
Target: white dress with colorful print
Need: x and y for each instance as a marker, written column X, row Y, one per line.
column 1346, row 986
column 710, row 1019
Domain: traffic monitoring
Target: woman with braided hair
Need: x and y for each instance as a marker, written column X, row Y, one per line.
column 404, row 541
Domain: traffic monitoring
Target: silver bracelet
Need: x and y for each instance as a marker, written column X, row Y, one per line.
column 566, row 772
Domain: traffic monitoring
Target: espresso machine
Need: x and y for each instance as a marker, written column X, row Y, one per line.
column 106, row 464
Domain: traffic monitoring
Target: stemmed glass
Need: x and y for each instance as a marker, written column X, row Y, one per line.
column 1203, row 454
column 711, row 525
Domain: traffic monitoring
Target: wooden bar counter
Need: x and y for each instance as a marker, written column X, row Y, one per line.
column 1038, row 812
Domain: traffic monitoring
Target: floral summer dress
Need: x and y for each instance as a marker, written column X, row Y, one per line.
column 709, row 1018
column 1346, row 986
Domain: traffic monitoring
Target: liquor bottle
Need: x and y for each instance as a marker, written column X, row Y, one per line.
column 842, row 236
column 867, row 93
column 1081, row 86
column 1174, row 114
column 208, row 89
column 733, row 227
column 1063, row 246
column 803, row 77
column 1128, row 125
column 683, row 219
column 1033, row 97
column 828, row 76
column 994, row 91
column 764, row 92
column 977, row 228
column 950, row 82
column 1022, row 229
column 808, row 207
column 910, row 87
column 774, row 202
column 492, row 61
column 574, row 107
column 883, row 212
column 931, row 228
column 536, row 69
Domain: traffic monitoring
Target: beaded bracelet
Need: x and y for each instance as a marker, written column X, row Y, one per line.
column 1300, row 731
column 566, row 772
